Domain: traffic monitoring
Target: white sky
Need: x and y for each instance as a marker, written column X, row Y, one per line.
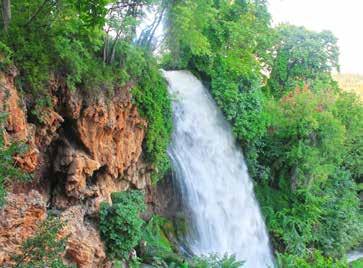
column 343, row 17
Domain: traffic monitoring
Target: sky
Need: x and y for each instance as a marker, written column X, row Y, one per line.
column 343, row 17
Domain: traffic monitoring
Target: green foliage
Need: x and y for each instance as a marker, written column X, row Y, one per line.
column 349, row 109
column 120, row 224
column 308, row 158
column 45, row 248
column 215, row 261
column 341, row 224
column 5, row 57
column 313, row 260
column 8, row 171
column 308, row 199
column 153, row 101
column 302, row 57
column 187, row 20
column 155, row 237
column 306, row 136
column 207, row 37
column 301, row 136
column 68, row 41
column 54, row 38
column 155, row 247
column 357, row 263
column 157, row 250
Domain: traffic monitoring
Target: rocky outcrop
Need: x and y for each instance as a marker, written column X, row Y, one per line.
column 112, row 134
column 18, row 221
column 17, row 127
column 84, row 245
column 77, row 167
column 82, row 150
column 46, row 132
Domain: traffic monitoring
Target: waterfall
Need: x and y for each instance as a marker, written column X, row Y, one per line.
column 355, row 254
column 213, row 179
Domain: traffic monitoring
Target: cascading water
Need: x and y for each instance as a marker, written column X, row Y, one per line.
column 210, row 171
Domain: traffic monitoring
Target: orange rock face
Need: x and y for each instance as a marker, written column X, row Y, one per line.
column 16, row 124
column 88, row 149
column 84, row 245
column 18, row 221
column 46, row 132
column 112, row 133
column 17, row 128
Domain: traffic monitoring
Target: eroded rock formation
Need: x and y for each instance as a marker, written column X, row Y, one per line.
column 17, row 127
column 83, row 150
column 18, row 220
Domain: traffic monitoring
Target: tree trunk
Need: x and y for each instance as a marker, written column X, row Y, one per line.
column 105, row 48
column 6, row 12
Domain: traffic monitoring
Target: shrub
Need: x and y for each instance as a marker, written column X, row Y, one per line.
column 357, row 263
column 45, row 248
column 312, row 260
column 154, row 236
column 215, row 261
column 155, row 248
column 5, row 57
column 120, row 224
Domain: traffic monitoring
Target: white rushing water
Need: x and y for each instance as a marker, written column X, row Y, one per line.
column 213, row 179
column 355, row 255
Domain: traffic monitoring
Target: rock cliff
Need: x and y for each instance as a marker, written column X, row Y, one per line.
column 83, row 149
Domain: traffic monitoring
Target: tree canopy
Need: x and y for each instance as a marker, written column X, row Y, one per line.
column 298, row 130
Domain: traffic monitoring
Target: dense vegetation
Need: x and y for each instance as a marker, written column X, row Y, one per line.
column 123, row 229
column 120, row 224
column 302, row 136
column 300, row 133
column 72, row 42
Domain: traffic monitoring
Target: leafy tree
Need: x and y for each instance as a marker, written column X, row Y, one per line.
column 302, row 57
column 349, row 109
column 300, row 136
column 309, row 200
column 122, row 18
column 207, row 37
column 6, row 14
